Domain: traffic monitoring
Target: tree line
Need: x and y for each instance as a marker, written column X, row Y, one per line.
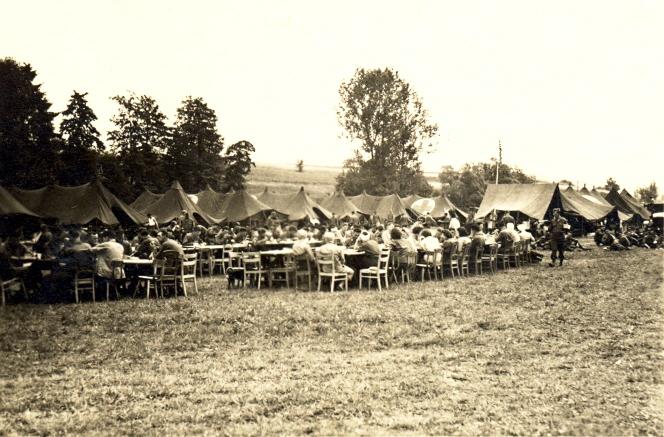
column 142, row 149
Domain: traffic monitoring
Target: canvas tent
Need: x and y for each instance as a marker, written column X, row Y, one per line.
column 82, row 204
column 9, row 205
column 301, row 207
column 173, row 202
column 210, row 201
column 532, row 200
column 390, row 207
column 575, row 203
column 145, row 199
column 443, row 204
column 409, row 200
column 277, row 202
column 627, row 205
column 339, row 205
column 365, row 203
column 241, row 205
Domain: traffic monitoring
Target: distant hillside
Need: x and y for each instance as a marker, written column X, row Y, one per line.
column 316, row 180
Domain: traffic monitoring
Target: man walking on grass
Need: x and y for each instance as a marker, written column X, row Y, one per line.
column 557, row 229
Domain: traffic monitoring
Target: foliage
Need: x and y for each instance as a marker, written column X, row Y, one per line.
column 28, row 142
column 383, row 113
column 238, row 164
column 610, row 184
column 194, row 154
column 139, row 141
column 647, row 194
column 466, row 187
column 81, row 142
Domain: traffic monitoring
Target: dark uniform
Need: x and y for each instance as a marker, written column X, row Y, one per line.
column 557, row 229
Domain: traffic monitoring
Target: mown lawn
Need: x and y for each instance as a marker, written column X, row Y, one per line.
column 573, row 350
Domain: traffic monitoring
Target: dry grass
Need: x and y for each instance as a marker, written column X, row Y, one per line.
column 316, row 180
column 576, row 350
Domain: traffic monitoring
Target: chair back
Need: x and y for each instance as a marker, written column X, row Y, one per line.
column 384, row 259
column 325, row 262
column 117, row 267
column 494, row 251
column 302, row 263
column 251, row 260
column 465, row 254
column 479, row 253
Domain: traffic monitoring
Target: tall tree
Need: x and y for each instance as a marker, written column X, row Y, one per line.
column 381, row 111
column 194, row 155
column 81, row 143
column 647, row 194
column 237, row 165
column 610, row 184
column 139, row 141
column 28, row 142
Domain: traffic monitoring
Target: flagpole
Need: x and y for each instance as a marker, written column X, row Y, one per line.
column 500, row 159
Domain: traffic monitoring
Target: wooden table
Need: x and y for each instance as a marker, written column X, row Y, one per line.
column 137, row 261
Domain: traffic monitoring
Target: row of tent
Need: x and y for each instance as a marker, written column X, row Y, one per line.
column 538, row 200
column 93, row 202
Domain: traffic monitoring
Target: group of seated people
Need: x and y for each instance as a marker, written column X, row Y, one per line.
column 648, row 237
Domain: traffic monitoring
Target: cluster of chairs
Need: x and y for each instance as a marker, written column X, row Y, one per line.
column 435, row 265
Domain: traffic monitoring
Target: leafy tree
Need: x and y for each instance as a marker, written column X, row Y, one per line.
column 28, row 142
column 610, row 184
column 139, row 141
column 194, row 155
column 81, row 142
column 237, row 163
column 466, row 187
column 647, row 194
column 381, row 111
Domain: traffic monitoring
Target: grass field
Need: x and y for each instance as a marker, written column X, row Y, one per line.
column 573, row 350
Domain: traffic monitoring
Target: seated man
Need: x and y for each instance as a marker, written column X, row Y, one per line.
column 370, row 248
column 506, row 240
column 148, row 244
column 301, row 246
column 402, row 250
column 107, row 251
column 193, row 237
column 463, row 238
column 329, row 248
column 478, row 240
column 169, row 248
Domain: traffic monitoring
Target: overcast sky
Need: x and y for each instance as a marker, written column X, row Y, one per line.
column 574, row 90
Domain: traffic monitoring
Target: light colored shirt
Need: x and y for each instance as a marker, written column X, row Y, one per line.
column 107, row 252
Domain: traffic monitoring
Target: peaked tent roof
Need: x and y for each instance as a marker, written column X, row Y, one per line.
column 599, row 197
column 241, row 205
column 409, row 200
column 532, row 200
column 9, row 205
column 339, row 205
column 390, row 206
column 627, row 205
column 365, row 203
column 301, row 206
column 31, row 199
column 81, row 204
column 577, row 203
column 584, row 190
column 145, row 199
column 211, row 202
column 173, row 202
column 278, row 202
column 443, row 204
column 569, row 188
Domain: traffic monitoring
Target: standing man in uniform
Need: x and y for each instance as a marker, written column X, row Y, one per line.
column 557, row 229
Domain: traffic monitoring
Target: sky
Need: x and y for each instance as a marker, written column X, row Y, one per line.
column 573, row 90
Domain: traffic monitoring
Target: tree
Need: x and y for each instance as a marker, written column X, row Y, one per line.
column 647, row 194
column 81, row 143
column 466, row 187
column 139, row 141
column 28, row 142
column 299, row 166
column 381, row 111
column 237, row 163
column 610, row 184
column 194, row 155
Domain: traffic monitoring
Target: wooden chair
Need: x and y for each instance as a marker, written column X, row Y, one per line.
column 303, row 270
column 525, row 252
column 205, row 260
column 451, row 261
column 464, row 261
column 6, row 284
column 84, row 280
column 377, row 272
column 188, row 271
column 427, row 264
column 218, row 260
column 476, row 260
column 287, row 269
column 151, row 281
column 251, row 262
column 503, row 257
column 490, row 259
column 326, row 262
column 170, row 269
column 117, row 278
column 514, row 255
